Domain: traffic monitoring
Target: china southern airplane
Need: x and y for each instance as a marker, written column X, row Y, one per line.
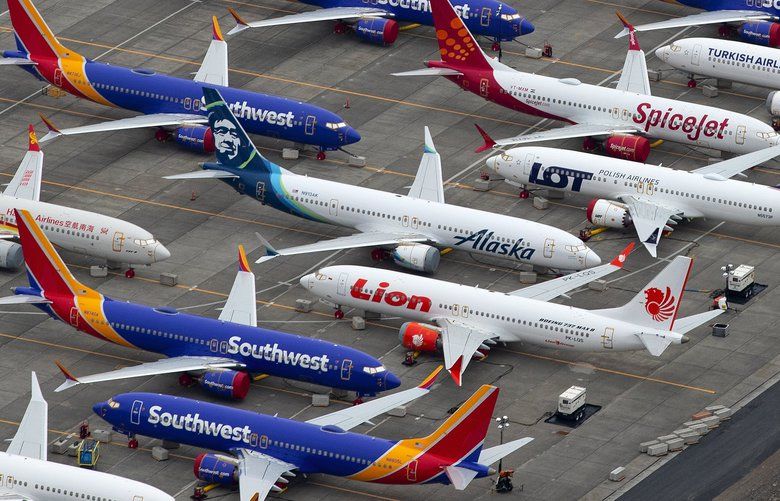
column 28, row 476
column 163, row 101
column 220, row 352
column 652, row 198
column 378, row 23
column 75, row 230
column 408, row 226
column 625, row 118
column 463, row 321
column 266, row 448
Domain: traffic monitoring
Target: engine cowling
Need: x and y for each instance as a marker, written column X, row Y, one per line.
column 215, row 469
column 377, row 30
column 420, row 337
column 197, row 138
column 226, row 383
column 11, row 257
column 608, row 213
column 761, row 33
column 418, row 257
column 773, row 103
column 628, row 147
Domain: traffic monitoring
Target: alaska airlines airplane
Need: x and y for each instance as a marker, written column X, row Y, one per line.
column 463, row 321
column 28, row 476
column 378, row 23
column 407, row 226
column 268, row 448
column 165, row 101
column 75, row 230
column 221, row 352
column 625, row 117
column 652, row 198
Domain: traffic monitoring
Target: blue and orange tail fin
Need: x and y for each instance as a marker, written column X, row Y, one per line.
column 457, row 45
column 33, row 35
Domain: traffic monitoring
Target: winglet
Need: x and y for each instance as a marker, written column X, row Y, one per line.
column 216, row 32
column 53, row 131
column 489, row 143
column 429, row 147
column 270, row 252
column 456, row 371
column 243, row 264
column 241, row 25
column 428, row 381
column 32, row 144
column 70, row 379
column 633, row 43
column 620, row 259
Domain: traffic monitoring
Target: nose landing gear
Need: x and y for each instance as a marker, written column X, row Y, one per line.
column 130, row 273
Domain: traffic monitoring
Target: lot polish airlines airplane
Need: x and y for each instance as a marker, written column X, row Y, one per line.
column 649, row 197
column 626, row 116
column 408, row 225
column 28, row 476
column 268, row 448
column 75, row 230
column 379, row 23
column 222, row 352
column 165, row 101
column 460, row 320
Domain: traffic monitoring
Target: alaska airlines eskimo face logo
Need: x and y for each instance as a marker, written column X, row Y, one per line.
column 483, row 241
column 659, row 305
column 226, row 139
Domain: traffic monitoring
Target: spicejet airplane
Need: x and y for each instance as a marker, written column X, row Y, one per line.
column 268, row 448
column 222, row 352
column 75, row 230
column 165, row 101
column 30, row 477
column 408, row 226
column 652, row 198
column 461, row 320
column 626, row 116
column 379, row 23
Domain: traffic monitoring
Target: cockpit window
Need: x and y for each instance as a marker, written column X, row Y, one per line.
column 113, row 403
column 510, row 17
column 150, row 241
column 675, row 48
column 335, row 125
column 576, row 248
column 321, row 276
column 374, row 370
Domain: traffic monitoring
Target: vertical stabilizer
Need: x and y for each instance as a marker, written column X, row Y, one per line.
column 634, row 77
column 457, row 45
column 31, row 437
column 240, row 307
column 214, row 68
column 26, row 183
column 428, row 183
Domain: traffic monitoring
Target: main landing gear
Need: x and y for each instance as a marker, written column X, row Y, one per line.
column 162, row 135
column 379, row 254
column 340, row 28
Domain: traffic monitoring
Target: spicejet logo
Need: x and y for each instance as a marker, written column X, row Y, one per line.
column 658, row 304
column 692, row 126
column 393, row 298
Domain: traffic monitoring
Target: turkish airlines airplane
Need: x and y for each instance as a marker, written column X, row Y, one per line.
column 625, row 117
column 75, row 230
column 461, row 320
column 652, row 198
column 28, row 476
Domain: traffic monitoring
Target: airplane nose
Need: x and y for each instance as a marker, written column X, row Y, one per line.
column 492, row 163
column 662, row 52
column 391, row 381
column 161, row 253
column 526, row 27
column 591, row 259
column 351, row 135
column 100, row 408
column 307, row 281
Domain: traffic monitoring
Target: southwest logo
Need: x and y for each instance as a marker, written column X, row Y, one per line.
column 393, row 298
column 483, row 241
column 658, row 304
column 561, row 174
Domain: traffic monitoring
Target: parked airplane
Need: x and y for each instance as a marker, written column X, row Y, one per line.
column 461, row 321
column 651, row 198
column 408, row 226
column 163, row 101
column 75, row 230
column 378, row 23
column 626, row 116
column 268, row 448
column 27, row 475
column 221, row 352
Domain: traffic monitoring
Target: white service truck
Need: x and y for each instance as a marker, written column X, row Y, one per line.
column 571, row 403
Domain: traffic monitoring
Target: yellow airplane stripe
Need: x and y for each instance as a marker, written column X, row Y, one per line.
column 74, row 69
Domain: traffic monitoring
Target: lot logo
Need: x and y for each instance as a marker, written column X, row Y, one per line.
column 658, row 304
column 561, row 177
column 483, row 241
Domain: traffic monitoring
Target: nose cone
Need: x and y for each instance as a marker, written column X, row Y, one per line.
column 492, row 163
column 351, row 135
column 100, row 408
column 391, row 381
column 662, row 53
column 526, row 26
column 161, row 253
column 591, row 259
column 307, row 281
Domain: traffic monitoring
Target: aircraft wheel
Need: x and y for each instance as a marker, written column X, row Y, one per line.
column 589, row 144
column 339, row 314
column 496, row 46
column 132, row 443
column 186, row 380
column 692, row 83
column 130, row 273
column 724, row 31
column 525, row 194
column 376, row 254
column 320, row 155
column 161, row 135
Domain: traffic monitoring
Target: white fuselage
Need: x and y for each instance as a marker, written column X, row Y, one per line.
column 695, row 194
column 47, row 481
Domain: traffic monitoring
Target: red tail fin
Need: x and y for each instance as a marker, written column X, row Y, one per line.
column 456, row 44
column 33, row 32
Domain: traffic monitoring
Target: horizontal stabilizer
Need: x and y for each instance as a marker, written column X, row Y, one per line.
column 687, row 324
column 655, row 344
column 16, row 60
column 460, row 477
column 203, row 174
column 24, row 299
column 493, row 454
column 428, row 72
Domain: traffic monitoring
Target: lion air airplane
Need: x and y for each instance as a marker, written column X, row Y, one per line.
column 626, row 117
column 652, row 198
column 461, row 320
column 71, row 229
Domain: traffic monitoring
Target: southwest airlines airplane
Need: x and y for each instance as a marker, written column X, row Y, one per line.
column 378, row 23
column 406, row 227
column 461, row 320
column 75, row 230
column 266, row 448
column 221, row 352
column 626, row 117
column 28, row 476
column 650, row 197
column 165, row 101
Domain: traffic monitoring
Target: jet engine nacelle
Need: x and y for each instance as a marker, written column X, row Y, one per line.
column 11, row 257
column 773, row 103
column 628, row 147
column 226, row 383
column 215, row 469
column 420, row 337
column 197, row 138
column 418, row 257
column 377, row 30
column 608, row 213
column 761, row 33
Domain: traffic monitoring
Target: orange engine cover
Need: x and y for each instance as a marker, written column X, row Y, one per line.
column 419, row 337
column 634, row 148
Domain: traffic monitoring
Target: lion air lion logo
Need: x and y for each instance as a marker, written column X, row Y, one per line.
column 658, row 304
column 417, row 340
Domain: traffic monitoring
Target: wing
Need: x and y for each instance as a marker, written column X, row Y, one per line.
column 634, row 76
column 258, row 474
column 10, row 496
column 31, row 437
column 460, row 341
column 214, row 68
column 26, row 183
column 428, row 184
column 139, row 122
column 550, row 289
column 329, row 14
column 428, row 72
column 714, row 17
column 650, row 219
column 348, row 418
column 240, row 307
column 733, row 166
column 567, row 132
column 164, row 366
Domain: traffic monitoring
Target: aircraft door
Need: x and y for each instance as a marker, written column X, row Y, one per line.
column 260, row 192
column 308, row 129
column 549, row 247
column 741, row 133
column 118, row 241
column 342, row 288
column 74, row 317
column 135, row 411
column 411, row 471
column 484, row 86
column 334, row 207
column 485, row 16
column 58, row 77
column 529, row 162
column 346, row 369
column 696, row 55
column 606, row 338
